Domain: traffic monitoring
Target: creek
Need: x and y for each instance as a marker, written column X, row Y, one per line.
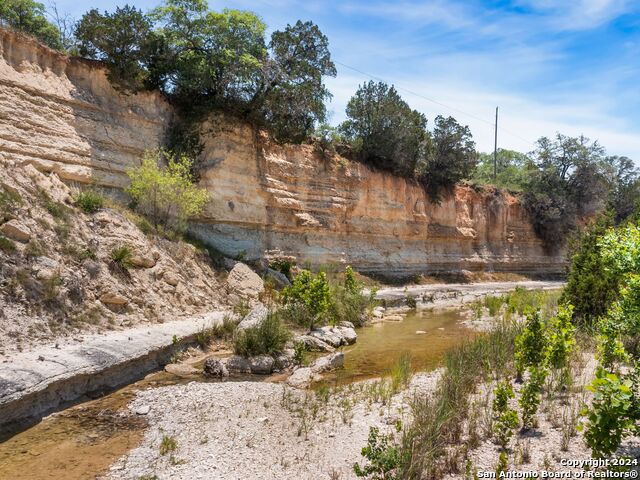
column 82, row 441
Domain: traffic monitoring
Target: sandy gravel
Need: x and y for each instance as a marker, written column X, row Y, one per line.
column 251, row 430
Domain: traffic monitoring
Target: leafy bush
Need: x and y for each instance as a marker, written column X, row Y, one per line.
column 505, row 418
column 531, row 344
column 561, row 337
column 89, row 201
column 310, row 293
column 384, row 457
column 166, row 194
column 268, row 338
column 609, row 419
column 530, row 395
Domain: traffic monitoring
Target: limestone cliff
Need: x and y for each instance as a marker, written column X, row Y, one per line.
column 62, row 115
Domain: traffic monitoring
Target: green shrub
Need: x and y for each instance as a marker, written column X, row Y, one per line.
column 493, row 304
column 530, row 395
column 268, row 338
column 167, row 445
column 531, row 344
column 561, row 337
column 122, row 256
column 224, row 331
column 89, row 201
column 384, row 457
column 312, row 293
column 167, row 194
column 591, row 286
column 7, row 245
column 505, row 418
column 610, row 417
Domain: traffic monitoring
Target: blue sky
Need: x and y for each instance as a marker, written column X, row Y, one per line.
column 550, row 65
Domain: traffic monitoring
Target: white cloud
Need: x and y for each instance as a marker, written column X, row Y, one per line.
column 579, row 14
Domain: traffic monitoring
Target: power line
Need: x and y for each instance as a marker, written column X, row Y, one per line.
column 419, row 95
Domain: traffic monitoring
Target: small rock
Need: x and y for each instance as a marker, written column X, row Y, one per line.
column 215, row 368
column 393, row 318
column 237, row 364
column 181, row 370
column 261, row 364
column 254, row 318
column 143, row 410
column 328, row 363
column 15, row 230
column 171, row 278
column 420, row 332
column 303, row 377
column 112, row 298
column 284, row 360
column 144, row 260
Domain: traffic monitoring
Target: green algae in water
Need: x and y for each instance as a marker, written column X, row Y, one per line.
column 379, row 346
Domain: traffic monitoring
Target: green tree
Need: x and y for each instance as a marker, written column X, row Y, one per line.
column 163, row 189
column 571, row 180
column 29, row 17
column 624, row 196
column 512, row 169
column 591, row 286
column 124, row 40
column 452, row 157
column 291, row 91
column 212, row 58
column 384, row 130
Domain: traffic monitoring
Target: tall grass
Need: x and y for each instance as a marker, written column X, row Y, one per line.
column 439, row 419
column 268, row 338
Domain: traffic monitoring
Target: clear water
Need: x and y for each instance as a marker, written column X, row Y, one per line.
column 379, row 346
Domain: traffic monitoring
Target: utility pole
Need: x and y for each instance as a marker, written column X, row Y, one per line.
column 495, row 148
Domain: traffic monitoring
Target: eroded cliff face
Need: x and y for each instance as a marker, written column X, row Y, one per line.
column 327, row 210
column 62, row 115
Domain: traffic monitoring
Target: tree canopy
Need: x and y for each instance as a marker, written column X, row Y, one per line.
column 29, row 17
column 204, row 60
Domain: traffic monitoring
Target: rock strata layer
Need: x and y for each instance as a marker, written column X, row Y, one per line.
column 62, row 115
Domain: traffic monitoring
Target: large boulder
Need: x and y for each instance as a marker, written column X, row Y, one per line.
column 215, row 368
column 328, row 363
column 349, row 335
column 261, row 364
column 327, row 335
column 244, row 282
column 254, row 318
column 237, row 364
column 314, row 344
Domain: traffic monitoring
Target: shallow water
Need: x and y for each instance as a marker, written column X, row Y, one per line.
column 81, row 442
column 379, row 346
